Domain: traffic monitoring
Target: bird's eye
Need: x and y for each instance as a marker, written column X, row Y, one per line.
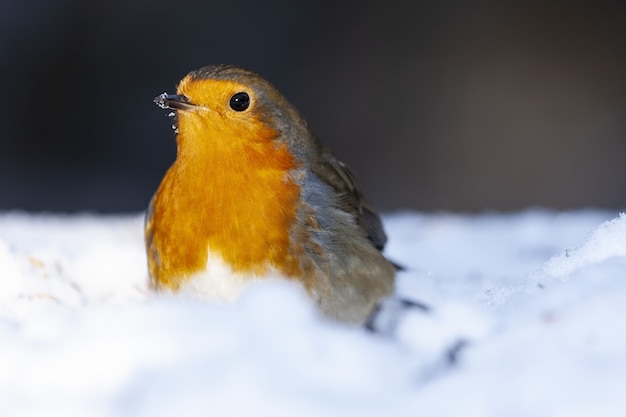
column 240, row 101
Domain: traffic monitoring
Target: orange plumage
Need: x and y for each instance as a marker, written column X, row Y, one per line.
column 222, row 180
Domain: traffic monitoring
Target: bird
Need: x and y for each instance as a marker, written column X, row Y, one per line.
column 253, row 194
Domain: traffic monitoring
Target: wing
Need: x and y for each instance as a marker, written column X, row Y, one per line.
column 338, row 175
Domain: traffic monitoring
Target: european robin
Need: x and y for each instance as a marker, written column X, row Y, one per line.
column 253, row 194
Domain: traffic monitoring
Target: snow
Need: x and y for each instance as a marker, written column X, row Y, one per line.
column 522, row 317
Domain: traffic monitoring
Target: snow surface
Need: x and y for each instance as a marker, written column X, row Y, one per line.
column 525, row 318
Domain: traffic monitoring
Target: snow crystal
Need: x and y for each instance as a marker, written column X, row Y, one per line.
column 607, row 241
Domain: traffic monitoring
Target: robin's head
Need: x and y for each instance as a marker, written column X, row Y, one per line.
column 235, row 105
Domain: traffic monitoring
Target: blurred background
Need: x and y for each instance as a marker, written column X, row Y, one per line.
column 436, row 105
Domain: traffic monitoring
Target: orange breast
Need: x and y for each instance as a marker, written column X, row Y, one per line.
column 229, row 193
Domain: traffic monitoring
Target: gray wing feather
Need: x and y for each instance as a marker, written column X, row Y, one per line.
column 336, row 174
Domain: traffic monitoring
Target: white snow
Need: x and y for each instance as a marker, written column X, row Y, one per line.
column 530, row 305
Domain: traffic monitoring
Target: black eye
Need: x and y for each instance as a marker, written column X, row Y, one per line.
column 240, row 101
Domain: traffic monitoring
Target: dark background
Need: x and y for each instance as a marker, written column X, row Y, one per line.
column 438, row 105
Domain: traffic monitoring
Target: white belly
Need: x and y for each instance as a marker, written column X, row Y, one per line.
column 218, row 282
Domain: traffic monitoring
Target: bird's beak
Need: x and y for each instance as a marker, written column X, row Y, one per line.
column 173, row 101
